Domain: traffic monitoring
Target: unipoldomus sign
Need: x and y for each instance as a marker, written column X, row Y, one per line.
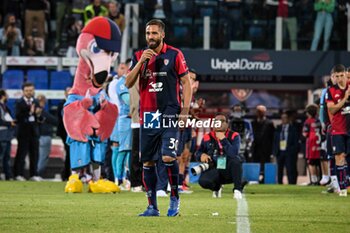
column 240, row 64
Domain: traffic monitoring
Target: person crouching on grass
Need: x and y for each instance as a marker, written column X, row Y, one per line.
column 220, row 149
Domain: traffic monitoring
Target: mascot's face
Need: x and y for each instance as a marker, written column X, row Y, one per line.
column 98, row 60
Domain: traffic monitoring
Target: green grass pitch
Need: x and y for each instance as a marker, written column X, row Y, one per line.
column 44, row 207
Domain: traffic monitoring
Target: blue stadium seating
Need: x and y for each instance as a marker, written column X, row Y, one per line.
column 40, row 78
column 12, row 79
column 59, row 80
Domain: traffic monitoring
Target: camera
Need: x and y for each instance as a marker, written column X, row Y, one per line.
column 199, row 169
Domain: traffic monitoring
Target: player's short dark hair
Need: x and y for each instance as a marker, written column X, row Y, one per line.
column 2, row 93
column 157, row 22
column 338, row 68
column 312, row 110
column 192, row 70
column 348, row 69
column 27, row 84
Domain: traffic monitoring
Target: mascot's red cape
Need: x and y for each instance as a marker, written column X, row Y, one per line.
column 98, row 46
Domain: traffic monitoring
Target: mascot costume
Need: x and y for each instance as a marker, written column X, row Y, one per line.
column 88, row 115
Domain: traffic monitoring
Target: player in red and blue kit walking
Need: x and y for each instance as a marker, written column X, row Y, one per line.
column 160, row 69
column 337, row 101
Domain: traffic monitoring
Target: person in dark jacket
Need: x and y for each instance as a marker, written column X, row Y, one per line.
column 263, row 130
column 285, row 148
column 220, row 149
column 46, row 123
column 27, row 110
column 7, row 125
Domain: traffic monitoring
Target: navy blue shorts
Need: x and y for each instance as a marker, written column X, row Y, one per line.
column 185, row 136
column 340, row 144
column 155, row 143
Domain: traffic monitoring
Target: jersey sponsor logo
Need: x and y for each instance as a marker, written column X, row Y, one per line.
column 337, row 95
column 160, row 74
column 156, row 87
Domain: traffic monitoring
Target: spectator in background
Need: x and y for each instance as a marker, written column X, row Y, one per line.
column 115, row 15
column 46, row 122
column 94, row 9
column 27, row 110
column 63, row 8
column 62, row 133
column 35, row 14
column 30, row 48
column 7, row 125
column 11, row 37
column 158, row 9
column 286, row 10
column 324, row 21
column 234, row 10
column 263, row 130
column 285, row 148
column 73, row 32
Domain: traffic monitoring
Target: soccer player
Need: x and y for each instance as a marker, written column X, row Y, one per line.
column 328, row 162
column 312, row 132
column 337, row 97
column 160, row 68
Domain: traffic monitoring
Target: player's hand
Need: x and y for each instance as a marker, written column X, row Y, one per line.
column 147, row 55
column 205, row 158
column 347, row 93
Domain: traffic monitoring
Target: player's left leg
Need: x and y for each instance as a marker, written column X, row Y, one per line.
column 169, row 144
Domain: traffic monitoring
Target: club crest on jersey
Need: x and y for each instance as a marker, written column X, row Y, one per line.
column 166, row 62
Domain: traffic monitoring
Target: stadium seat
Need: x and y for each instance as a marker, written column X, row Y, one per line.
column 251, row 171
column 59, row 80
column 40, row 78
column 12, row 79
column 270, row 173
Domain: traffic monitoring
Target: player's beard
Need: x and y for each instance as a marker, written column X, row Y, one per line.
column 154, row 45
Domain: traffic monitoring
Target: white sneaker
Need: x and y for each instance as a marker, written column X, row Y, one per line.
column 217, row 194
column 325, row 180
column 161, row 193
column 343, row 193
column 36, row 178
column 137, row 189
column 237, row 194
column 20, row 178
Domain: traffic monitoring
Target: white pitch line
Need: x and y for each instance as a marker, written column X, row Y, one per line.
column 242, row 217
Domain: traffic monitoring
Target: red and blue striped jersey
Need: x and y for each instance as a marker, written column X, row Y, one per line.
column 160, row 88
column 338, row 120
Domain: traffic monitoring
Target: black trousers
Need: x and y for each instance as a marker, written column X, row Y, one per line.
column 289, row 161
column 213, row 178
column 29, row 144
column 136, row 165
